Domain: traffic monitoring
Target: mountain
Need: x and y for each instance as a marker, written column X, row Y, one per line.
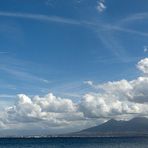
column 134, row 127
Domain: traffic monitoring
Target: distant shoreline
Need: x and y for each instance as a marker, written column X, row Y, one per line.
column 72, row 137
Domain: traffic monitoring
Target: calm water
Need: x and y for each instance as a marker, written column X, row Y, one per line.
column 75, row 143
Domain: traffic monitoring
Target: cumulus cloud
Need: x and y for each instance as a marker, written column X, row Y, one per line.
column 117, row 99
column 107, row 106
column 123, row 90
column 42, row 113
column 48, row 108
column 52, row 103
column 143, row 65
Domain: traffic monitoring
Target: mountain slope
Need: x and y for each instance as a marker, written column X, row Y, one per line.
column 134, row 127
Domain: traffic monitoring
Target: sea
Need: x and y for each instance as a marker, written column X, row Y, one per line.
column 74, row 142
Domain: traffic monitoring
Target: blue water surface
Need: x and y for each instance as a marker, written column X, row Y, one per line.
column 74, row 142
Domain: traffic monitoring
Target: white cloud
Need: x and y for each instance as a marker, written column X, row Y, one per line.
column 20, row 74
column 108, row 106
column 139, row 91
column 45, row 112
column 101, row 6
column 123, row 90
column 145, row 49
column 40, row 17
column 119, row 99
column 143, row 65
column 48, row 108
column 51, row 103
column 88, row 83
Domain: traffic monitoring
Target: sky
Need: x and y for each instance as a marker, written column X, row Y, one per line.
column 66, row 65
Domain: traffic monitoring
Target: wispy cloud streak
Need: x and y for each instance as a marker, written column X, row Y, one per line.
column 23, row 75
column 135, row 17
column 41, row 17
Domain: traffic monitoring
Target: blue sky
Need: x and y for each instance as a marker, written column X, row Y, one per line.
column 49, row 45
column 60, row 46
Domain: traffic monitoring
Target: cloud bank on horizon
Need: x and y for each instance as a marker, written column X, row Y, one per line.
column 118, row 99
